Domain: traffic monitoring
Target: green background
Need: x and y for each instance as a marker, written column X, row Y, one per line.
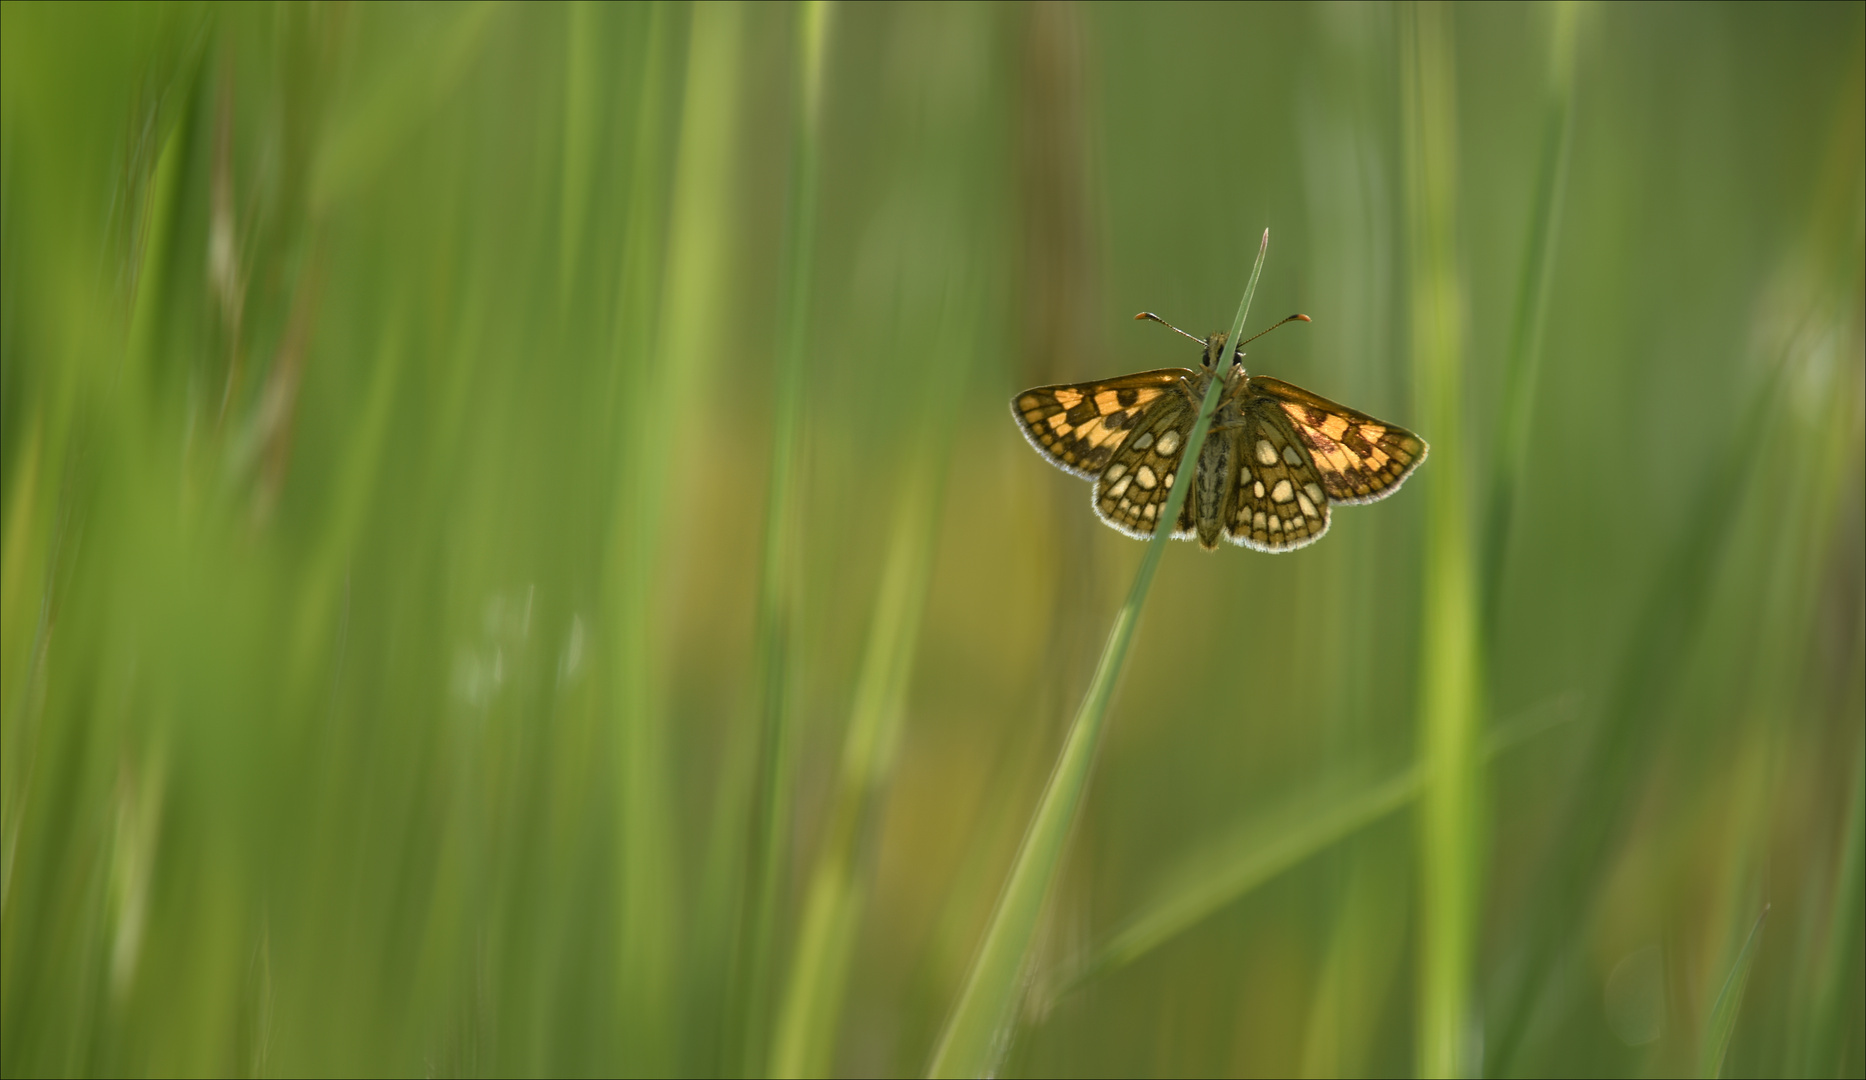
column 468, row 470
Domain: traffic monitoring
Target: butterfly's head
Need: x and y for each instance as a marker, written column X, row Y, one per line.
column 1215, row 351
column 1215, row 345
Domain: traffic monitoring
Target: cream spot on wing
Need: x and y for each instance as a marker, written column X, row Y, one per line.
column 1276, row 524
column 1314, row 490
column 1068, row 399
column 1266, row 454
column 1307, row 506
column 1145, row 478
column 1118, row 469
column 1257, row 489
column 1372, row 432
column 1144, row 441
column 1150, row 511
column 1257, row 521
column 1244, row 475
column 1169, row 442
column 1060, row 422
column 1292, row 455
column 1120, row 488
column 1335, row 427
column 1169, row 479
column 1283, row 492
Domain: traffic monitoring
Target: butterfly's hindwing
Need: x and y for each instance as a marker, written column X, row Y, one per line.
column 1081, row 426
column 1360, row 458
column 1133, row 487
column 1281, row 501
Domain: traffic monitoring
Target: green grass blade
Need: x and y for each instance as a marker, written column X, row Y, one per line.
column 1259, row 850
column 978, row 1031
column 646, row 904
column 1452, row 813
column 1637, row 716
column 581, row 133
column 1523, row 364
column 1251, row 856
column 1846, row 925
column 779, row 582
column 384, row 114
column 1722, row 1023
column 1626, row 733
column 836, row 896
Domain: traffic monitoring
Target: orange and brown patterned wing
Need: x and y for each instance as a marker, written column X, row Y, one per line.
column 1127, row 434
column 1279, row 502
column 1133, row 488
column 1359, row 458
column 1080, row 426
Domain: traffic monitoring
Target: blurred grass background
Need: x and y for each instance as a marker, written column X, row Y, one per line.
column 515, row 559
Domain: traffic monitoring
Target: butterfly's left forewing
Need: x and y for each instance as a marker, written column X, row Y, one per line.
column 1360, row 458
column 1127, row 434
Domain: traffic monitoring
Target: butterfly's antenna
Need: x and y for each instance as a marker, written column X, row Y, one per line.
column 1297, row 318
column 1169, row 326
column 1273, row 326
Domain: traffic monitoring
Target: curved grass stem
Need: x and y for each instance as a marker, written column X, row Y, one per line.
column 979, row 1030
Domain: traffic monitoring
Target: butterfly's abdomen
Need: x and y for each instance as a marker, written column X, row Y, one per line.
column 1206, row 501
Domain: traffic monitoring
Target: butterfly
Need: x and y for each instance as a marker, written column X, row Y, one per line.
column 1276, row 458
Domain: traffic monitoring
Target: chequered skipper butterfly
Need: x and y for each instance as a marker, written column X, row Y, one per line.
column 1275, row 458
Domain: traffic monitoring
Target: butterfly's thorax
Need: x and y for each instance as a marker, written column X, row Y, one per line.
column 1204, row 509
column 1214, row 475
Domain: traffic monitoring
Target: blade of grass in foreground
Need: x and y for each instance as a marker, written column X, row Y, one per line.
column 779, row 586
column 1729, row 1002
column 1451, row 664
column 1821, row 1055
column 1524, row 361
column 1263, row 848
column 645, row 850
column 804, row 1040
column 977, row 1033
column 581, row 134
column 1636, row 714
